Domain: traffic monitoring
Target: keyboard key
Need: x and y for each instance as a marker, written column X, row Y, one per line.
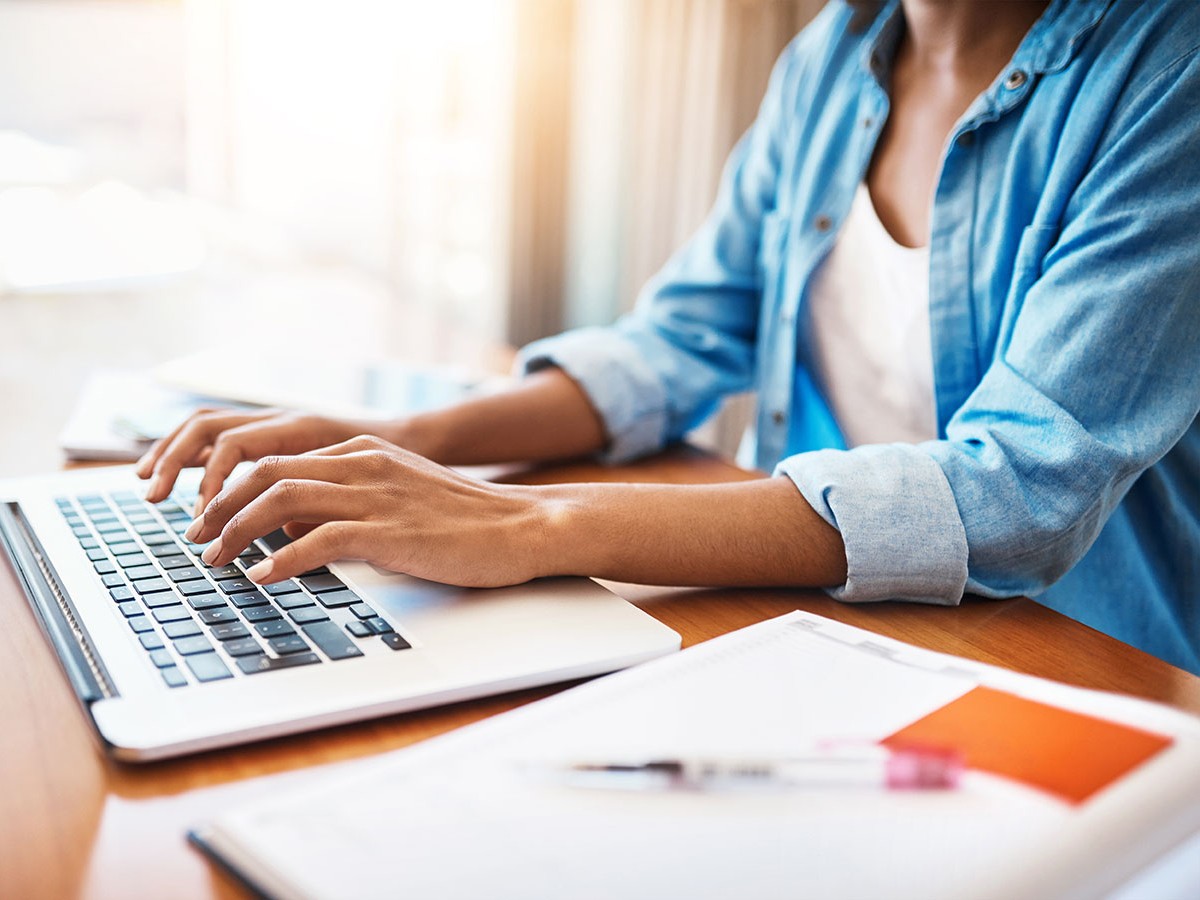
column 158, row 538
column 363, row 611
column 121, row 593
column 151, row 586
column 191, row 573
column 173, row 677
column 275, row 629
column 174, row 613
column 246, row 646
column 162, row 658
column 332, row 640
column 241, row 601
column 250, row 557
column 236, row 585
column 164, row 598
column 318, row 584
column 141, row 573
column 96, row 555
column 293, row 601
column 308, row 614
column 147, row 526
column 396, row 642
column 283, row 587
column 104, row 567
column 254, row 664
column 123, row 548
column 229, row 571
column 379, row 625
column 229, row 631
column 334, row 599
column 112, row 526
column 89, row 543
column 178, row 561
column 207, row 666
column 164, row 550
column 130, row 608
column 150, row 640
column 190, row 646
column 207, row 601
column 112, row 580
column 192, row 588
column 289, row 643
column 264, row 613
column 359, row 629
column 217, row 615
column 185, row 629
column 275, row 540
column 133, row 560
column 140, row 624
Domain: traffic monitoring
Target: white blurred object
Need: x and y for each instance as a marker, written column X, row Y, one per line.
column 107, row 236
column 27, row 161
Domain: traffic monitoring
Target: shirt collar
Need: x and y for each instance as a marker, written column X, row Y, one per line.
column 1051, row 43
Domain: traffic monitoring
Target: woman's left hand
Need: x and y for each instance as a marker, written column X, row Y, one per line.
column 370, row 500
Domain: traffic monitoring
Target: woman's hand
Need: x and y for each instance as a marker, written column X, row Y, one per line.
column 367, row 499
column 219, row 439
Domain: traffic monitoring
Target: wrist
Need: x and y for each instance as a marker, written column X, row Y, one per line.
column 423, row 434
column 562, row 544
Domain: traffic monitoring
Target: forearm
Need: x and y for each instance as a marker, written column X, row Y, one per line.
column 749, row 533
column 545, row 416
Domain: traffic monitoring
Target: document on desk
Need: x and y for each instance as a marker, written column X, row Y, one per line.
column 470, row 813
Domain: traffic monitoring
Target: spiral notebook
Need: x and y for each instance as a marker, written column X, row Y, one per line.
column 1068, row 792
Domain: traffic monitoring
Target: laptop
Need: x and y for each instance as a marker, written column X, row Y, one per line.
column 170, row 656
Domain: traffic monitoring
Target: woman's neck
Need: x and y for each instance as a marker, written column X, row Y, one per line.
column 957, row 34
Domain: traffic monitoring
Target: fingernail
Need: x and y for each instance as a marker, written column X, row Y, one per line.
column 261, row 571
column 199, row 508
column 143, row 466
column 213, row 552
column 152, row 490
column 194, row 530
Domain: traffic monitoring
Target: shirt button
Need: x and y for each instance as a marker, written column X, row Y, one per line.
column 1015, row 79
column 868, row 122
column 777, row 417
column 823, row 223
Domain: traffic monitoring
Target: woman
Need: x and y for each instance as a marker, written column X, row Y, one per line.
column 954, row 255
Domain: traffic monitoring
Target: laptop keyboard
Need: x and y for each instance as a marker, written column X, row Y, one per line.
column 200, row 623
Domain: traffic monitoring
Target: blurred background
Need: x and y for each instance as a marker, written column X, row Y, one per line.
column 346, row 179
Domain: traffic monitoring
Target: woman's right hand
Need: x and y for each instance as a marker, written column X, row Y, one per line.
column 219, row 439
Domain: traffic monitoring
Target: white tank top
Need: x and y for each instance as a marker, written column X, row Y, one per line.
column 869, row 304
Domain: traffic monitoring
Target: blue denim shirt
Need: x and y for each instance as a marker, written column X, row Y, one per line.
column 1064, row 294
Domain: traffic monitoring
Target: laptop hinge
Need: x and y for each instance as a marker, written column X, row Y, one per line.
column 53, row 608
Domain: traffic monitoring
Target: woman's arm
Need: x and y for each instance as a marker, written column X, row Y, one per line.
column 367, row 499
column 544, row 416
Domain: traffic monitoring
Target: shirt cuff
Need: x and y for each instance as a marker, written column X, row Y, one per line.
column 897, row 516
column 623, row 389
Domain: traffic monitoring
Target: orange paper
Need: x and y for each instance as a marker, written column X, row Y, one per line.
column 1066, row 753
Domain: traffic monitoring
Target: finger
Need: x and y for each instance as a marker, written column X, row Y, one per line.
column 145, row 465
column 184, row 450
column 296, row 530
column 253, row 440
column 324, row 544
column 286, row 501
column 266, row 472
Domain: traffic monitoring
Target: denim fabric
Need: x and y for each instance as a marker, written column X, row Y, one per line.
column 1065, row 322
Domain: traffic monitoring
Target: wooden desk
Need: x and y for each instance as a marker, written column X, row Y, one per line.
column 73, row 823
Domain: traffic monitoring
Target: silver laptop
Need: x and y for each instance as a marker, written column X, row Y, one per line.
column 170, row 656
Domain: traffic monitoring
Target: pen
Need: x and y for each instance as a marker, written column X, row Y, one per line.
column 871, row 766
